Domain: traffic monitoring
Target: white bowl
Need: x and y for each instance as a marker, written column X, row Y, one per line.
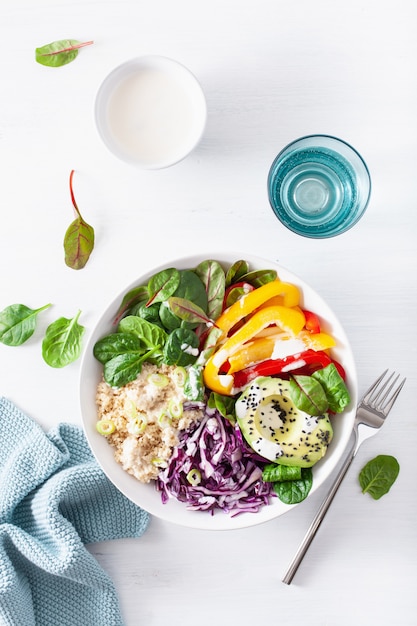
column 151, row 112
column 146, row 496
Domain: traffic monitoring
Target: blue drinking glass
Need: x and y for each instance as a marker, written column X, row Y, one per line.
column 319, row 186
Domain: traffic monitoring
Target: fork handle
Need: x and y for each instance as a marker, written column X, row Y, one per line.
column 293, row 567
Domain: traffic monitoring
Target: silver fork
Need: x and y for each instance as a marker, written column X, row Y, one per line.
column 370, row 415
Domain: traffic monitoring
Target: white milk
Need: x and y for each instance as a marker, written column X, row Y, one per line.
column 155, row 114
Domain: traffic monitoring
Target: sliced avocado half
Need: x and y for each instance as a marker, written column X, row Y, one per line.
column 274, row 427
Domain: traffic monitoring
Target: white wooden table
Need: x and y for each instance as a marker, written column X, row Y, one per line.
column 271, row 72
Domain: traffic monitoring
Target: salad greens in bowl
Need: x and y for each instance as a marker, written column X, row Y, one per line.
column 218, row 392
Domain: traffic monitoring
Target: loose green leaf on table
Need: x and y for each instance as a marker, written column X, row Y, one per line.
column 59, row 52
column 79, row 238
column 63, row 341
column 18, row 323
column 378, row 475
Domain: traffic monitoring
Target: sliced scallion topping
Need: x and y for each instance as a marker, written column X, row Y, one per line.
column 164, row 419
column 159, row 380
column 105, row 427
column 179, row 376
column 175, row 408
column 139, row 424
column 194, row 477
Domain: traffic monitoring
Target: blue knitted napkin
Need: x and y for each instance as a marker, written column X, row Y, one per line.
column 54, row 498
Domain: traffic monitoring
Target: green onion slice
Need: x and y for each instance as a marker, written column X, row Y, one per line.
column 194, row 477
column 175, row 408
column 105, row 427
column 179, row 376
column 159, row 380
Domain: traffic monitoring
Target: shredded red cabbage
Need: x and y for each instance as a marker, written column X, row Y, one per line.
column 229, row 474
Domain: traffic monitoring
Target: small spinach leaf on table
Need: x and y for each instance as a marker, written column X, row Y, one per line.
column 378, row 475
column 18, row 323
column 63, row 341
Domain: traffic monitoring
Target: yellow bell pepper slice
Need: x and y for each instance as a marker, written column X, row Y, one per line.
column 262, row 347
column 253, row 352
column 287, row 319
column 256, row 298
column 318, row 341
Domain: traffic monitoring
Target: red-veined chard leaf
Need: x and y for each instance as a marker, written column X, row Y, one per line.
column 212, row 276
column 162, row 285
column 59, row 52
column 79, row 238
column 308, row 395
column 235, row 271
column 188, row 311
column 134, row 296
column 257, row 278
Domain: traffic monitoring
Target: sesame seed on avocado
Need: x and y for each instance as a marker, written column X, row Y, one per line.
column 276, row 429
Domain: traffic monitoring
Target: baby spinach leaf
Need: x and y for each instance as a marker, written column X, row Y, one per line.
column 62, row 342
column 79, row 238
column 236, row 271
column 113, row 345
column 212, row 276
column 162, row 285
column 295, row 491
column 150, row 313
column 59, row 52
column 378, row 475
column 194, row 386
column 150, row 335
column 18, row 323
column 190, row 288
column 225, row 405
column 181, row 347
column 274, row 472
column 133, row 297
column 124, row 368
column 334, row 387
column 308, row 395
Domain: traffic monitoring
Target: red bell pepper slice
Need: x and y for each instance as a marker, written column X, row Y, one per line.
column 312, row 322
column 305, row 362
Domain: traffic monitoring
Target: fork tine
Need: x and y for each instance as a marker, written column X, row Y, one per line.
column 377, row 398
column 388, row 406
column 369, row 392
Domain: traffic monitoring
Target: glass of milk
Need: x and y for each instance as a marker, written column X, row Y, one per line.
column 151, row 112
